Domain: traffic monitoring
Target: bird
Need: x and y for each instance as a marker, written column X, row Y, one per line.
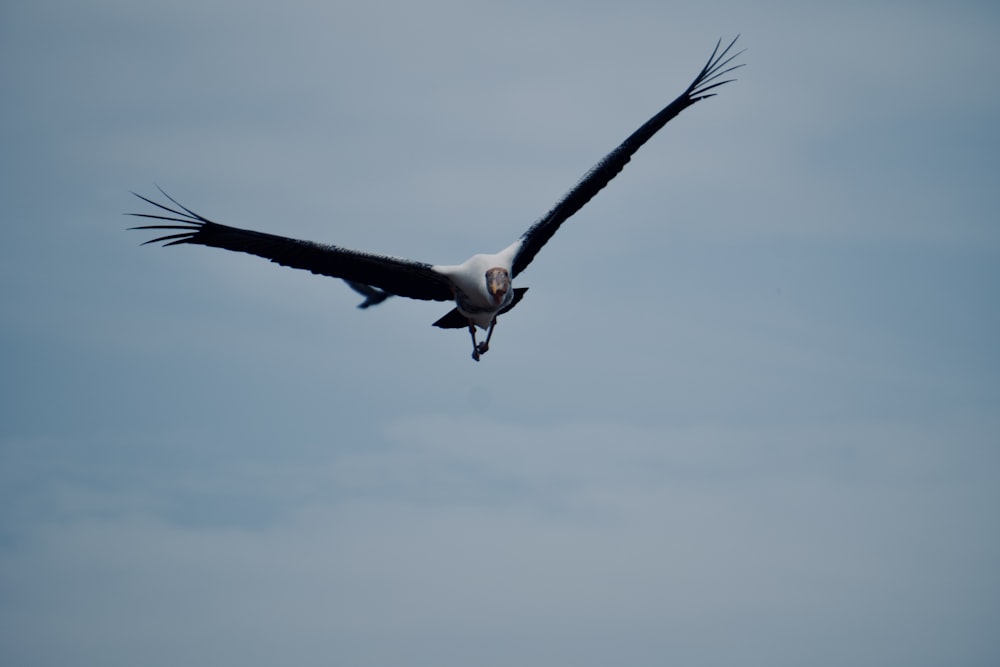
column 481, row 286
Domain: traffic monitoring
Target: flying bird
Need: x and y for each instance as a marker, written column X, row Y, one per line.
column 481, row 285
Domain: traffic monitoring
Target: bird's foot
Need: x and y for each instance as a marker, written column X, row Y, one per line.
column 479, row 349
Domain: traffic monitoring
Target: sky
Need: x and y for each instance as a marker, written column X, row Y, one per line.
column 747, row 413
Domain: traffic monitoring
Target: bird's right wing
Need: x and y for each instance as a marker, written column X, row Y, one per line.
column 403, row 277
column 718, row 65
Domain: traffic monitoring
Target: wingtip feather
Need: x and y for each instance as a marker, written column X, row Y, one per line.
column 718, row 65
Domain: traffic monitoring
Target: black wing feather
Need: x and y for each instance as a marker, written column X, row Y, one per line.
column 415, row 280
column 600, row 175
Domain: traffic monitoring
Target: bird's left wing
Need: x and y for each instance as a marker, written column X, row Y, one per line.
column 403, row 277
column 718, row 65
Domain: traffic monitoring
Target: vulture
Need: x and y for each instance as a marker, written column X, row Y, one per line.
column 481, row 286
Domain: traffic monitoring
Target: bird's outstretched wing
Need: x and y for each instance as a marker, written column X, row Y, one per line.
column 718, row 65
column 396, row 276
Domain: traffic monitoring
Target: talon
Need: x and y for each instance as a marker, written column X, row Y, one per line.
column 475, row 355
column 482, row 348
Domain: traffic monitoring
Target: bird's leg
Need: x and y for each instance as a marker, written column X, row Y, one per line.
column 485, row 345
column 475, row 346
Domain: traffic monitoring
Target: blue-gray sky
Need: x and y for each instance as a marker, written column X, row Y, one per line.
column 747, row 413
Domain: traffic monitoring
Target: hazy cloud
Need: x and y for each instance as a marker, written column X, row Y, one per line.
column 746, row 414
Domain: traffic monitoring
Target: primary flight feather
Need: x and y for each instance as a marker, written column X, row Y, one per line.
column 480, row 286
